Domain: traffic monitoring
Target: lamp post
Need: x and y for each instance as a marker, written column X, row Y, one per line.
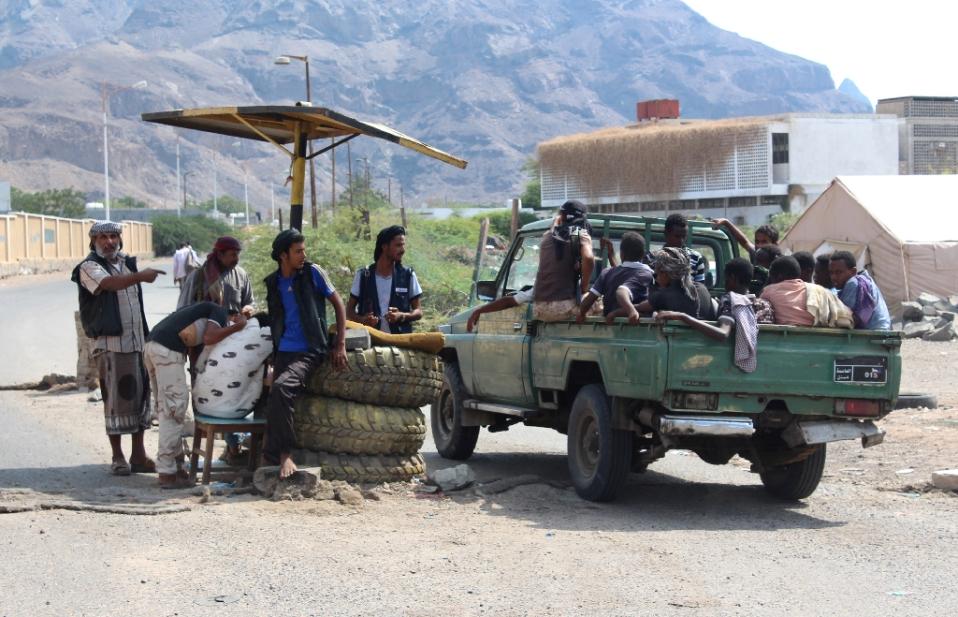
column 178, row 180
column 106, row 91
column 185, row 176
column 314, row 214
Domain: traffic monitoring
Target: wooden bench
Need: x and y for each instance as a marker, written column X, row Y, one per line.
column 209, row 427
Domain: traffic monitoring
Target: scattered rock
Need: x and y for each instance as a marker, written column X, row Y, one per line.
column 205, row 494
column 911, row 311
column 929, row 311
column 452, row 478
column 324, row 491
column 946, row 479
column 426, row 489
column 946, row 315
column 944, row 333
column 917, row 329
column 300, row 485
column 927, row 299
column 953, row 301
column 943, row 306
column 347, row 494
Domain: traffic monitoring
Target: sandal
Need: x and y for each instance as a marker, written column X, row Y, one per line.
column 120, row 467
column 145, row 466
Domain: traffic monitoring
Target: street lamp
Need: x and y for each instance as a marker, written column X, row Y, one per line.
column 106, row 91
column 284, row 60
column 185, row 176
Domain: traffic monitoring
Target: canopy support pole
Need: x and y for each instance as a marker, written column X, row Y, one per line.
column 299, row 177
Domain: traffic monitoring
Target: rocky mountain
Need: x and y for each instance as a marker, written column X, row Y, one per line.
column 484, row 79
column 851, row 89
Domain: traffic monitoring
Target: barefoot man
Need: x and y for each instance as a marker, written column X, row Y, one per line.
column 296, row 295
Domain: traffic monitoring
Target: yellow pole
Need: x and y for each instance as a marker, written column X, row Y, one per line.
column 299, row 177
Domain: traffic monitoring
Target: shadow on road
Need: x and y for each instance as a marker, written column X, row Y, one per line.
column 650, row 500
column 92, row 483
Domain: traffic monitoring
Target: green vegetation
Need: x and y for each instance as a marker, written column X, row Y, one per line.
column 532, row 193
column 441, row 252
column 68, row 203
column 200, row 231
column 224, row 203
column 128, row 203
column 783, row 221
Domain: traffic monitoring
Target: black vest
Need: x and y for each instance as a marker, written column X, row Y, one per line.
column 311, row 304
column 100, row 313
column 399, row 295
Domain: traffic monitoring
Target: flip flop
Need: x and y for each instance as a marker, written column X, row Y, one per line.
column 146, row 466
column 120, row 468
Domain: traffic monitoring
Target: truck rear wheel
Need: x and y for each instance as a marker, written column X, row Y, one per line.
column 796, row 480
column 600, row 456
column 453, row 440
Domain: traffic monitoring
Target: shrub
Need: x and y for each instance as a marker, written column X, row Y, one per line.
column 200, row 231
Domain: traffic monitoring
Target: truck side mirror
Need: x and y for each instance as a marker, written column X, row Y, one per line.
column 486, row 290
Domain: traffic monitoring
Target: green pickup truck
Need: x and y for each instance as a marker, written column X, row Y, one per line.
column 625, row 394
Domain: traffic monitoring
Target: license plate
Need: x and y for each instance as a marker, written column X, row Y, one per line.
column 861, row 369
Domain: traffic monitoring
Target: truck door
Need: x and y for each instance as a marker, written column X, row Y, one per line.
column 501, row 346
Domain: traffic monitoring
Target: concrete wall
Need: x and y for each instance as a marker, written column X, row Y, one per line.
column 32, row 241
column 823, row 148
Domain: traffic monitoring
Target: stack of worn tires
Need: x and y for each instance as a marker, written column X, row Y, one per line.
column 363, row 424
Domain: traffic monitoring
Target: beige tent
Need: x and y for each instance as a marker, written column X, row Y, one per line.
column 903, row 229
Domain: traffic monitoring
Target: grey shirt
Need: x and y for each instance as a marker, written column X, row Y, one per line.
column 237, row 291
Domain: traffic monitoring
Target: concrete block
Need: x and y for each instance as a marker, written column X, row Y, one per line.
column 946, row 479
column 911, row 311
column 358, row 339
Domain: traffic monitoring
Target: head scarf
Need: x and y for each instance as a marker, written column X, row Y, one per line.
column 105, row 227
column 674, row 262
column 385, row 237
column 212, row 270
column 572, row 215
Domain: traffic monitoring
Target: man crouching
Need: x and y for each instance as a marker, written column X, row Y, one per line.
column 296, row 295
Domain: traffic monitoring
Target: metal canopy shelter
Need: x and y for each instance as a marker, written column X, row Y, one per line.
column 295, row 125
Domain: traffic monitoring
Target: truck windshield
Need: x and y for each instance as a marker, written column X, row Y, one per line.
column 525, row 263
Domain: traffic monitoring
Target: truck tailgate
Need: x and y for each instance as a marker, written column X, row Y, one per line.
column 801, row 365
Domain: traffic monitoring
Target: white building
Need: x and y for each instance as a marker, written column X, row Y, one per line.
column 928, row 133
column 744, row 169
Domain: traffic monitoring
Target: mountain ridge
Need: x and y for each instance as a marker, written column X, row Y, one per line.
column 470, row 78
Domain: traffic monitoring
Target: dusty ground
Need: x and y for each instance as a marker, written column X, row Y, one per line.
column 685, row 539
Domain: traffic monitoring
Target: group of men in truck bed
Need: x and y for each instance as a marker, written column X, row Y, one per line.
column 768, row 287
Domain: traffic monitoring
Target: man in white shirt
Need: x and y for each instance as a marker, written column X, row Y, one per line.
column 385, row 294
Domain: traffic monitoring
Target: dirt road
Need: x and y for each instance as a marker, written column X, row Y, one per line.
column 685, row 539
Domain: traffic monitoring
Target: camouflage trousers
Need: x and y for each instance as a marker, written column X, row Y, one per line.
column 171, row 400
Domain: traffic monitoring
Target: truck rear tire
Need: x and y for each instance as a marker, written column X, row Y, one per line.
column 453, row 440
column 796, row 480
column 600, row 456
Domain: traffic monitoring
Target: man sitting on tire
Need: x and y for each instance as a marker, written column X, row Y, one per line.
column 296, row 295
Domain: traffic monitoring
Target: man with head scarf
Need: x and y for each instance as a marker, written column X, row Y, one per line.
column 296, row 294
column 112, row 313
column 385, row 294
column 220, row 280
column 565, row 265
column 676, row 291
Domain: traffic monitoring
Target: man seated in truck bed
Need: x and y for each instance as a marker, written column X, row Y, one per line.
column 633, row 276
column 797, row 303
column 676, row 291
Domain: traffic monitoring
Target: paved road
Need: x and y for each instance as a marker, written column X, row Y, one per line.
column 38, row 322
column 685, row 539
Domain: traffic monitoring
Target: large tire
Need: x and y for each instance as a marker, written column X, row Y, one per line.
column 599, row 455
column 912, row 400
column 796, row 480
column 381, row 376
column 334, row 425
column 362, row 469
column 453, row 440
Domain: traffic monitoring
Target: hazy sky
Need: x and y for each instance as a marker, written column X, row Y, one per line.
column 887, row 48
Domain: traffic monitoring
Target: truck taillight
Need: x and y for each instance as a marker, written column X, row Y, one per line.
column 857, row 407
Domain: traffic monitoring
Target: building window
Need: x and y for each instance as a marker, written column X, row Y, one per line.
column 779, row 148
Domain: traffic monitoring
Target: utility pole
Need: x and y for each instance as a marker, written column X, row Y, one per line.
column 178, row 182
column 349, row 172
column 272, row 201
column 402, row 207
column 246, row 192
column 332, row 156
